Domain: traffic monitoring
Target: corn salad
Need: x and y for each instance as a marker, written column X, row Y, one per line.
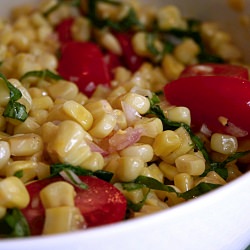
column 112, row 130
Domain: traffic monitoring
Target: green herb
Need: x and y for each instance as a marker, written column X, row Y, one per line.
column 19, row 174
column 198, row 190
column 58, row 167
column 41, row 74
column 150, row 43
column 14, row 224
column 14, row 109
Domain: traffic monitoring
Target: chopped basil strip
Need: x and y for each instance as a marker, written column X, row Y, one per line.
column 56, row 168
column 41, row 74
column 198, row 190
column 19, row 174
column 14, row 224
column 14, row 109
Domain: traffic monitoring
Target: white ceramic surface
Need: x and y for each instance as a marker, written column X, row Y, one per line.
column 216, row 221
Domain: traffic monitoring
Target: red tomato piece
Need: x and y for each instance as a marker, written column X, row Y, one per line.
column 100, row 204
column 130, row 58
column 83, row 63
column 63, row 30
column 215, row 69
column 211, row 97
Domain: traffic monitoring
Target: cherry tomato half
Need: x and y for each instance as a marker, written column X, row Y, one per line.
column 83, row 64
column 215, row 69
column 212, row 97
column 100, row 204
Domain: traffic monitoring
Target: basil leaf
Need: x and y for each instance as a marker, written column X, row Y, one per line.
column 41, row 74
column 198, row 190
column 14, row 109
column 56, row 168
column 14, row 224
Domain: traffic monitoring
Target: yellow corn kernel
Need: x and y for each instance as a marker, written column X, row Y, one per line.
column 151, row 127
column 166, row 142
column 103, row 126
column 48, row 131
column 153, row 171
column 26, row 99
column 183, row 181
column 114, row 97
column 63, row 89
column 81, row 29
column 81, row 98
column 120, row 117
column 139, row 44
column 68, row 144
column 229, row 52
column 57, row 194
column 233, row 172
column 170, row 17
column 26, row 127
column 25, row 144
column 179, row 114
column 97, row 108
column 190, row 164
column 13, row 193
column 186, row 146
column 187, row 51
column 39, row 117
column 108, row 41
column 214, row 175
column 138, row 102
column 42, row 170
column 43, row 102
column 121, row 74
column 4, row 93
column 144, row 151
column 169, row 171
column 78, row 113
column 171, row 67
column 2, row 211
column 62, row 219
column 4, row 153
column 153, row 200
column 27, row 170
column 129, row 168
column 224, row 144
column 94, row 162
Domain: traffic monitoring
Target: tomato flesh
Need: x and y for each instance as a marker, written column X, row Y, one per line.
column 100, row 204
column 63, row 30
column 83, row 63
column 211, row 97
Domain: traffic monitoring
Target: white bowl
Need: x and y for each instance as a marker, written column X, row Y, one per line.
column 218, row 220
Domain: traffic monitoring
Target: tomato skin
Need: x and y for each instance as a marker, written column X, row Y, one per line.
column 83, row 63
column 208, row 69
column 100, row 204
column 129, row 57
column 209, row 97
column 63, row 30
